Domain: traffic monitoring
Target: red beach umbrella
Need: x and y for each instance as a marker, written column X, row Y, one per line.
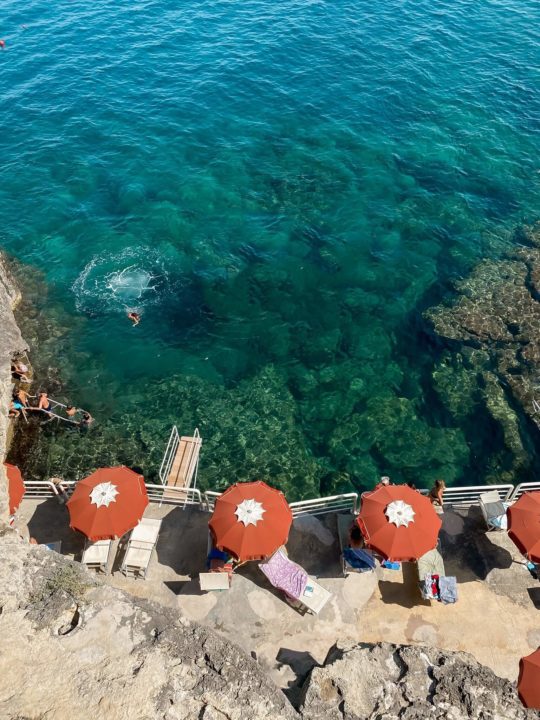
column 524, row 524
column 16, row 487
column 399, row 523
column 108, row 503
column 529, row 680
column 251, row 520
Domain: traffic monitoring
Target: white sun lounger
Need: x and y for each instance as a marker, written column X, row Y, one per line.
column 493, row 510
column 140, row 547
column 290, row 577
column 96, row 554
column 214, row 581
column 314, row 597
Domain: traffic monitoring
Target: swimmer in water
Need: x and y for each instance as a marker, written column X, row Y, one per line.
column 134, row 317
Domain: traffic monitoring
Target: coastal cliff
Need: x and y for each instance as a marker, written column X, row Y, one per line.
column 74, row 648
column 11, row 342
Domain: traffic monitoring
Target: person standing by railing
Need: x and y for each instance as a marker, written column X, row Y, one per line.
column 436, row 493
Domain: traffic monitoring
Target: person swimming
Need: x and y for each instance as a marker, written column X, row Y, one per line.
column 134, row 317
column 86, row 420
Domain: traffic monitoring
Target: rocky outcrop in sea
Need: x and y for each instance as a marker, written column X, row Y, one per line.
column 491, row 334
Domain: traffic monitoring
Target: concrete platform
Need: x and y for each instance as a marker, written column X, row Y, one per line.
column 496, row 619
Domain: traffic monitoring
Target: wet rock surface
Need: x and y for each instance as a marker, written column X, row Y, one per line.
column 492, row 335
column 10, row 343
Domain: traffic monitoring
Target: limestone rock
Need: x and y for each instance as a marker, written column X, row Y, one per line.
column 390, row 682
column 10, row 343
column 74, row 648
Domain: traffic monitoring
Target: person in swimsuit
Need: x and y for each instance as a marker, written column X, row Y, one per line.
column 18, row 405
column 134, row 317
column 44, row 403
column 436, row 492
column 18, row 371
column 14, row 410
column 71, row 411
column 86, row 420
column 21, row 396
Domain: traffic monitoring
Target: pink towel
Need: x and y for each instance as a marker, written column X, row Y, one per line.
column 285, row 574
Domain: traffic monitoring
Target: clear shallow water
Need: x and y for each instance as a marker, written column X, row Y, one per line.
column 280, row 189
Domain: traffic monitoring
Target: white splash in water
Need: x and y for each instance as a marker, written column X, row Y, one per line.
column 130, row 284
column 132, row 279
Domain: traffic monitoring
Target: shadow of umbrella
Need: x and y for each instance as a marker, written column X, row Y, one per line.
column 182, row 541
column 406, row 593
column 50, row 523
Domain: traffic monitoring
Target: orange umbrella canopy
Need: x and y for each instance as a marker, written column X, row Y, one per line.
column 524, row 524
column 251, row 520
column 16, row 487
column 529, row 680
column 399, row 523
column 108, row 503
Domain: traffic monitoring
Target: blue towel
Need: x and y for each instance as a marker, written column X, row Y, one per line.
column 216, row 554
column 447, row 589
column 359, row 559
column 389, row 565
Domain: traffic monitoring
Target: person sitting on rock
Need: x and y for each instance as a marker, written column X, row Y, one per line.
column 19, row 370
column 14, row 410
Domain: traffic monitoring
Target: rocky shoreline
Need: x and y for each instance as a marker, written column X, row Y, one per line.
column 11, row 342
column 76, row 648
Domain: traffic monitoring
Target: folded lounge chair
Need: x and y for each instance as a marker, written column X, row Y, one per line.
column 96, row 554
column 301, row 590
column 220, row 567
column 352, row 559
column 140, row 547
column 493, row 510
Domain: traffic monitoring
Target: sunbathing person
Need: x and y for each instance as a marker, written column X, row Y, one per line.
column 356, row 539
column 19, row 370
column 14, row 411
column 21, row 396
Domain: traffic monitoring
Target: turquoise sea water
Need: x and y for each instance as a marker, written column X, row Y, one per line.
column 281, row 189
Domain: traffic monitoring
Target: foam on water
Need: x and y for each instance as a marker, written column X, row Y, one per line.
column 131, row 280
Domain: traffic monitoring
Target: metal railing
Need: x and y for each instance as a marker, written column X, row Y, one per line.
column 47, row 488
column 169, row 455
column 522, row 488
column 174, row 495
column 467, row 496
column 348, row 502
column 210, row 498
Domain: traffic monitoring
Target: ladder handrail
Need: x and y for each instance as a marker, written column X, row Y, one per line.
column 167, row 460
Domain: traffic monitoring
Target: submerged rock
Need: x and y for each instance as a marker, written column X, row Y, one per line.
column 493, row 330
